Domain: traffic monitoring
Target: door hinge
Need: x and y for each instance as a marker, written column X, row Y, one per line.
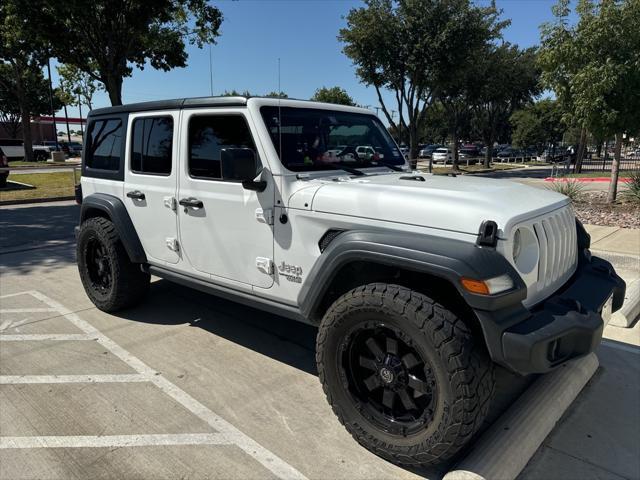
column 172, row 244
column 265, row 265
column 264, row 216
column 170, row 202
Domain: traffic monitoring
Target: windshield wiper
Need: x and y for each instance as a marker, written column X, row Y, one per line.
column 395, row 168
column 351, row 170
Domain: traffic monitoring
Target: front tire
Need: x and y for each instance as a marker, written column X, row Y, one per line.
column 403, row 374
column 110, row 279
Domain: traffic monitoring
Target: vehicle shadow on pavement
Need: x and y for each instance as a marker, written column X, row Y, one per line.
column 22, row 227
column 279, row 338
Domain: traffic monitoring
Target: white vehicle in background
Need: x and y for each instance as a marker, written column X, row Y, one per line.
column 367, row 152
column 14, row 150
column 419, row 285
column 442, row 155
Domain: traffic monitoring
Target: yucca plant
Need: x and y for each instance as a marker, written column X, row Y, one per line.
column 632, row 190
column 571, row 188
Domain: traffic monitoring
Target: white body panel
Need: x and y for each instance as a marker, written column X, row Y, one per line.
column 224, row 238
column 152, row 215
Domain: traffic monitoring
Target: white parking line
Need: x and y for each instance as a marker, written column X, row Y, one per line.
column 25, row 379
column 45, row 336
column 27, row 310
column 110, row 441
column 227, row 432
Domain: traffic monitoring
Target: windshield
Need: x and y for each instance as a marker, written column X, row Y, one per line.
column 309, row 139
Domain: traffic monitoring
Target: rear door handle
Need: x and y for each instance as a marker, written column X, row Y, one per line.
column 191, row 202
column 136, row 195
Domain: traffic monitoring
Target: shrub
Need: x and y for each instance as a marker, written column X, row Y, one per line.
column 571, row 188
column 632, row 190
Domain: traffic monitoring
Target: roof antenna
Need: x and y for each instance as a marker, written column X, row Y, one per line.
column 210, row 71
column 279, row 115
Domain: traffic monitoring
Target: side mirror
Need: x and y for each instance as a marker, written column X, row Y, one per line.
column 241, row 164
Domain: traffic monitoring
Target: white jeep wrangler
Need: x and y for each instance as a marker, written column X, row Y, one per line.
column 419, row 284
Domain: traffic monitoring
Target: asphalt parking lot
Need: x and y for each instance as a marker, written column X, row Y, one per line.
column 190, row 386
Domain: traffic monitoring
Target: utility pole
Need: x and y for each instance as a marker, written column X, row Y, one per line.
column 66, row 115
column 80, row 110
column 210, row 71
column 53, row 114
column 377, row 111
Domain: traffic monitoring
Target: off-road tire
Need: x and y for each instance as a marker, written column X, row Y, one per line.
column 129, row 283
column 464, row 374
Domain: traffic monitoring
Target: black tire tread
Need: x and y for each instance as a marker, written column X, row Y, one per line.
column 470, row 371
column 131, row 283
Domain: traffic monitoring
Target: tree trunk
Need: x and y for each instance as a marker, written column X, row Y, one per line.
column 413, row 144
column 615, row 170
column 487, row 156
column 113, row 85
column 66, row 120
column 26, row 133
column 454, row 148
column 581, row 148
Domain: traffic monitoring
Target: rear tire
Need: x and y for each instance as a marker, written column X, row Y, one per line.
column 404, row 375
column 110, row 279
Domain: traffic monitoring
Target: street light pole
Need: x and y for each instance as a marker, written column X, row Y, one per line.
column 53, row 114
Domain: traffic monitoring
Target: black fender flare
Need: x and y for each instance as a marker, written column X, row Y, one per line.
column 442, row 257
column 116, row 211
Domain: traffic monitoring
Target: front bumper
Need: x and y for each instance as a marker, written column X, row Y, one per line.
column 567, row 325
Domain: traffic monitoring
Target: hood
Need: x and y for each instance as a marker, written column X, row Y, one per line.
column 458, row 203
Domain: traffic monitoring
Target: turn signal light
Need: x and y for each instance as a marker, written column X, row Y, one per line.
column 490, row 286
column 475, row 286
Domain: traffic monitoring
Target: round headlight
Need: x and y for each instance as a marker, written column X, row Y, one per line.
column 526, row 251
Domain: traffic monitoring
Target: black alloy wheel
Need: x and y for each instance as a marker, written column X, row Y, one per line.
column 98, row 265
column 387, row 377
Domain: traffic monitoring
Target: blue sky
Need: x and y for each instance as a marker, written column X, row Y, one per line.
column 302, row 33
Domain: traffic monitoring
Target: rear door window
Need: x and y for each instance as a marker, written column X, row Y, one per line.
column 105, row 144
column 152, row 145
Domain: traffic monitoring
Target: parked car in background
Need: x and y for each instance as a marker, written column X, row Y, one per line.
column 368, row 152
column 50, row 144
column 510, row 152
column 14, row 150
column 73, row 149
column 428, row 150
column 469, row 151
column 4, row 169
column 443, row 155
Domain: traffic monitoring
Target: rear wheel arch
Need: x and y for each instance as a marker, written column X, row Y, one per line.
column 112, row 208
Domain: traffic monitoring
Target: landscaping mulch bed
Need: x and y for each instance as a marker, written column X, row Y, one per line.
column 593, row 208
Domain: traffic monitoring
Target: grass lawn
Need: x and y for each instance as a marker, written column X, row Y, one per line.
column 48, row 185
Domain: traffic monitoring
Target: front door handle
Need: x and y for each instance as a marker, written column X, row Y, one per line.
column 136, row 195
column 191, row 202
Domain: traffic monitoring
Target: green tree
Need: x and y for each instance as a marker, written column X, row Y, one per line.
column 410, row 48
column 21, row 81
column 275, row 94
column 594, row 69
column 333, row 95
column 78, row 84
column 538, row 124
column 505, row 78
column 107, row 39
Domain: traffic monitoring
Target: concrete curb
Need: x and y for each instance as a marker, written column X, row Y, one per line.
column 35, row 200
column 630, row 308
column 504, row 450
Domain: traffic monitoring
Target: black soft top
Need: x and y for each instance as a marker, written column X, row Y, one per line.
column 172, row 104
